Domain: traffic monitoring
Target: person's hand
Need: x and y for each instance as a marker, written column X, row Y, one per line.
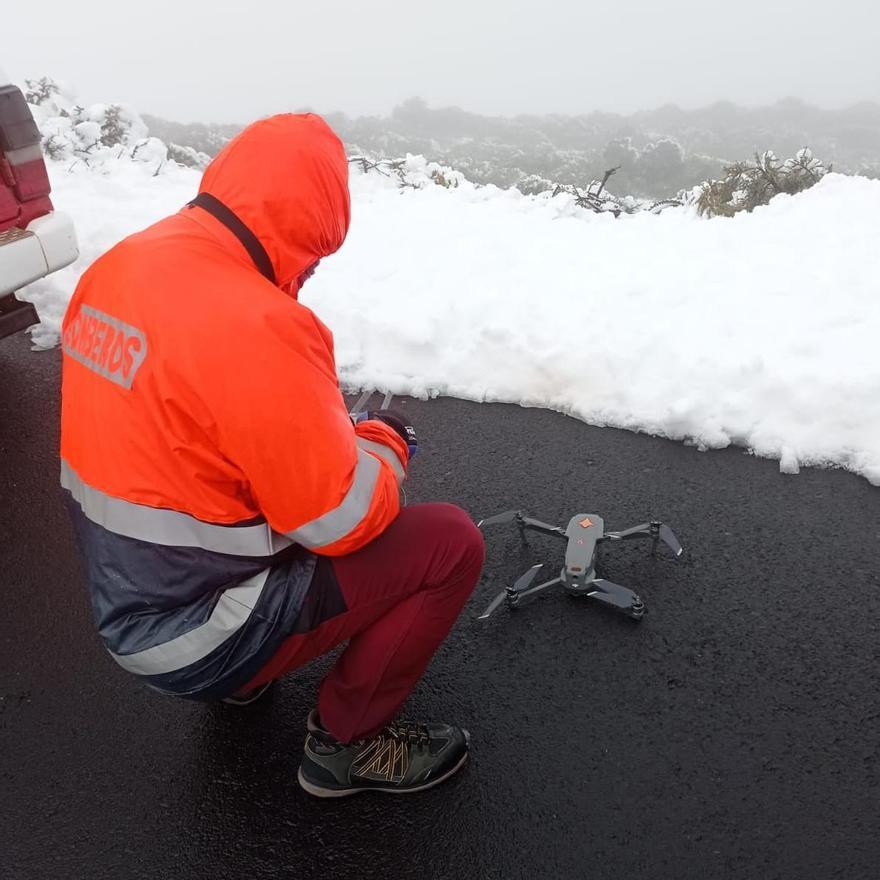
column 397, row 422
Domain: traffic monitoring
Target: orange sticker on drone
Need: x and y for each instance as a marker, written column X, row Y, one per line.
column 585, row 523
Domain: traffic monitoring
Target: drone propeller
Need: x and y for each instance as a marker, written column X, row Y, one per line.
column 506, row 517
column 656, row 530
column 493, row 605
column 667, row 536
column 522, row 583
column 617, row 597
column 364, row 399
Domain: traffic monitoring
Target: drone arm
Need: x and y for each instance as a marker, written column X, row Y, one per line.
column 643, row 530
column 514, row 597
column 522, row 594
column 521, row 589
column 535, row 525
column 522, row 521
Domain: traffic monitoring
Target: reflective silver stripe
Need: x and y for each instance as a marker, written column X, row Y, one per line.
column 337, row 523
column 169, row 528
column 386, row 453
column 106, row 345
column 231, row 612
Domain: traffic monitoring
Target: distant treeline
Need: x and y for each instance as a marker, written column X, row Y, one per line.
column 658, row 153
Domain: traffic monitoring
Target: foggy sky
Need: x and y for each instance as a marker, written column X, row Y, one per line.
column 231, row 62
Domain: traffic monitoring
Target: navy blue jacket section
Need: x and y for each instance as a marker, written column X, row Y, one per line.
column 145, row 594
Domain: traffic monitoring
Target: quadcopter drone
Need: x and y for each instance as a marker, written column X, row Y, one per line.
column 584, row 533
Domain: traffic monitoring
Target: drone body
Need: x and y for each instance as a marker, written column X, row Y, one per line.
column 584, row 533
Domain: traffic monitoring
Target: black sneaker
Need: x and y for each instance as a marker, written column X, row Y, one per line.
column 248, row 697
column 400, row 759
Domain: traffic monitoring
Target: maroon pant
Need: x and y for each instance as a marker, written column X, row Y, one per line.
column 402, row 594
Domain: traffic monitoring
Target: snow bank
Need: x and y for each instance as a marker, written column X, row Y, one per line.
column 107, row 203
column 759, row 330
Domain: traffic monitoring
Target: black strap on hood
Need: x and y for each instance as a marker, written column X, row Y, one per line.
column 231, row 221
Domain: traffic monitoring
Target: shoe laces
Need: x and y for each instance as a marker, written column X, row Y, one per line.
column 408, row 732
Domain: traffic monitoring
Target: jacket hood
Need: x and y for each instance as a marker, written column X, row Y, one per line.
column 286, row 178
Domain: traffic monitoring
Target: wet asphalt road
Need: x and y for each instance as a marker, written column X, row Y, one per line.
column 732, row 734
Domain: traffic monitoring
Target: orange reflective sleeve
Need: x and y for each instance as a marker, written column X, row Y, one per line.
column 282, row 421
column 383, row 441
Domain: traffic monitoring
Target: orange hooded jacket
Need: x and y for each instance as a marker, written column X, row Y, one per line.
column 201, row 414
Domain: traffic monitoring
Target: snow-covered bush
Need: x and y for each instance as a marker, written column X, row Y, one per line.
column 107, row 133
column 746, row 185
column 188, row 157
column 412, row 172
column 38, row 91
column 416, row 172
column 95, row 135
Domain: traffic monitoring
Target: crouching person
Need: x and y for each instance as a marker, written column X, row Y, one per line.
column 234, row 522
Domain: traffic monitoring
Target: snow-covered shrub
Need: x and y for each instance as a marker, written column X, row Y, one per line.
column 416, row 172
column 746, row 185
column 92, row 136
column 188, row 157
column 38, row 91
column 444, row 179
column 150, row 151
column 596, row 198
column 412, row 172
column 532, row 184
column 114, row 127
